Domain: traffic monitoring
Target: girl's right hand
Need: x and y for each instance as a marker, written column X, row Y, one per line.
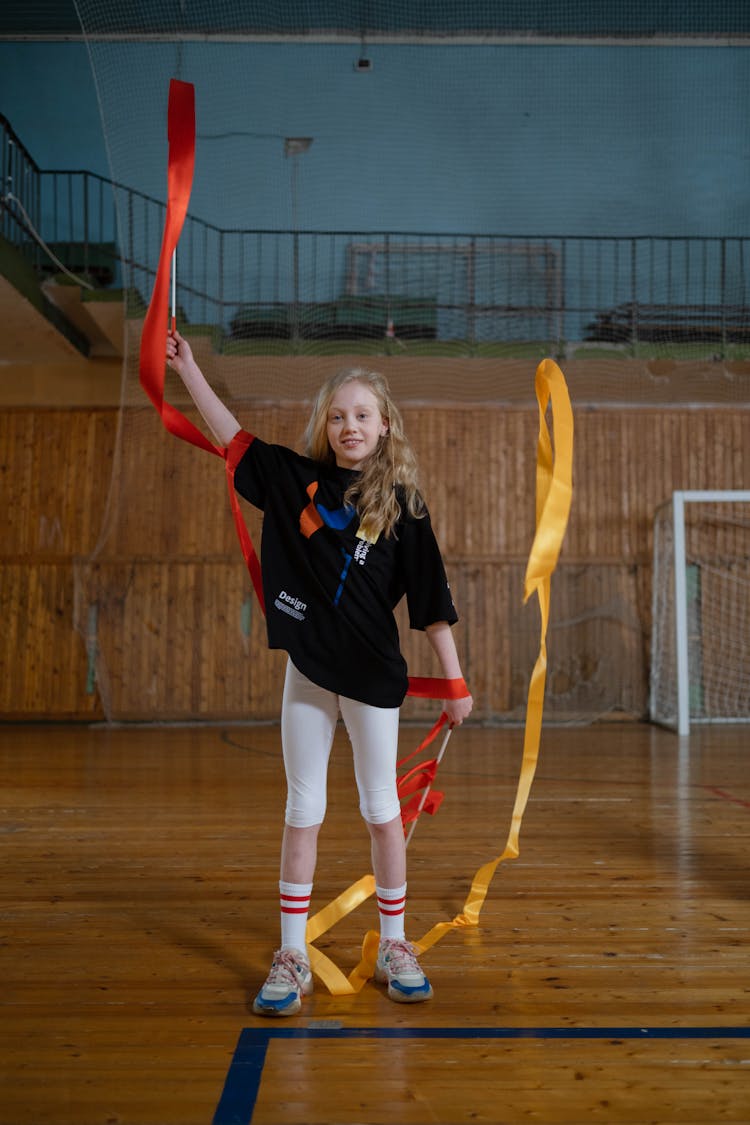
column 179, row 353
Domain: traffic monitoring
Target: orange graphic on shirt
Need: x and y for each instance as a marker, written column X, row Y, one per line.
column 310, row 520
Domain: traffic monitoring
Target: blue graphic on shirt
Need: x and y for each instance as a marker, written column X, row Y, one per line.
column 342, row 576
column 338, row 519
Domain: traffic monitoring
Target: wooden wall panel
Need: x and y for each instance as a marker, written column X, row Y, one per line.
column 177, row 636
column 43, row 662
column 173, row 496
column 176, row 642
column 597, row 641
column 56, row 471
column 176, row 646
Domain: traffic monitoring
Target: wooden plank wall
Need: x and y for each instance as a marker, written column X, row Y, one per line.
column 55, row 468
column 164, row 595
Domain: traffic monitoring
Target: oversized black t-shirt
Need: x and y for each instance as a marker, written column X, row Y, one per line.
column 329, row 594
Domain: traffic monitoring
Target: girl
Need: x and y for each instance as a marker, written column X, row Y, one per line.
column 345, row 535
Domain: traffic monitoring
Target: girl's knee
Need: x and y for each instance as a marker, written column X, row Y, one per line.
column 385, row 825
column 304, row 814
column 379, row 815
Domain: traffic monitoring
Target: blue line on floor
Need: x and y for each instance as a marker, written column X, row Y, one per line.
column 246, row 1069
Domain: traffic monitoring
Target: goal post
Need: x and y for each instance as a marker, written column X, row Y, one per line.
column 701, row 609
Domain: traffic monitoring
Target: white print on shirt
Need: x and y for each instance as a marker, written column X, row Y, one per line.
column 287, row 603
column 360, row 552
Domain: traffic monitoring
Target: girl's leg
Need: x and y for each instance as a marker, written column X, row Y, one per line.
column 374, row 735
column 308, row 722
column 373, row 732
column 389, row 868
column 388, row 852
column 299, row 853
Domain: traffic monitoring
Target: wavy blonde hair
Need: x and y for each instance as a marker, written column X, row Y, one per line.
column 389, row 476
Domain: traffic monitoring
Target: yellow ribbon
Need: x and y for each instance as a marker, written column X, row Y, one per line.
column 554, row 490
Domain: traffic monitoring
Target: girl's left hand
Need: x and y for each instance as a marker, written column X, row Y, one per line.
column 458, row 709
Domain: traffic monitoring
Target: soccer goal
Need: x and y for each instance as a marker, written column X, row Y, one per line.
column 701, row 610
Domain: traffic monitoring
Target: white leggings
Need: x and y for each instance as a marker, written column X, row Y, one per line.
column 308, row 720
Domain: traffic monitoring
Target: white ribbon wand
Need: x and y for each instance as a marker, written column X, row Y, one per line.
column 174, row 288
column 427, row 788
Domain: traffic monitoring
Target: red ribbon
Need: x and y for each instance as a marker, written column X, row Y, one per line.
column 414, row 808
column 422, row 775
column 429, row 687
column 180, row 167
column 181, row 133
column 234, row 453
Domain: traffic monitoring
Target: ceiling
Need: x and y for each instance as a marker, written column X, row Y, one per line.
column 374, row 19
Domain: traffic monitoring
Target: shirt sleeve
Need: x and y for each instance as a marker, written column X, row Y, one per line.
column 256, row 469
column 428, row 594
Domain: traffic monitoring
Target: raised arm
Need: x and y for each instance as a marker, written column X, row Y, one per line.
column 221, row 422
column 441, row 638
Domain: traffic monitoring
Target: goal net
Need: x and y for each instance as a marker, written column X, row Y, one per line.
column 701, row 610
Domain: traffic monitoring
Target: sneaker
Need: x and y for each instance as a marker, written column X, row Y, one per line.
column 288, row 981
column 397, row 966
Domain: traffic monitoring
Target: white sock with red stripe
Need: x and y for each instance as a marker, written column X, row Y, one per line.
column 391, row 907
column 294, row 899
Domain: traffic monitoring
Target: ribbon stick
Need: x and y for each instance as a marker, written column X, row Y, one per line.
column 174, row 290
column 428, row 787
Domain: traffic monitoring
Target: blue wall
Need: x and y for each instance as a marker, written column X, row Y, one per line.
column 513, row 140
column 47, row 92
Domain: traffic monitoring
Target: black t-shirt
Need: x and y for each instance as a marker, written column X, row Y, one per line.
column 329, row 594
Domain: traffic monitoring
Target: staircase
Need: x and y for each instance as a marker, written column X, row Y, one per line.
column 50, row 322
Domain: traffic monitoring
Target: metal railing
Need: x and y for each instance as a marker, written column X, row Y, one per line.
column 312, row 284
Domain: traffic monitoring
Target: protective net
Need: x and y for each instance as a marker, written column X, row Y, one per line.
column 702, row 562
column 451, row 192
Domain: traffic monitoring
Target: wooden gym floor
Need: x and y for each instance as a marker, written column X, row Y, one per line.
column 607, row 982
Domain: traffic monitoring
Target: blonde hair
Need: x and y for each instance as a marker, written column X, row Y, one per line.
column 389, row 476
